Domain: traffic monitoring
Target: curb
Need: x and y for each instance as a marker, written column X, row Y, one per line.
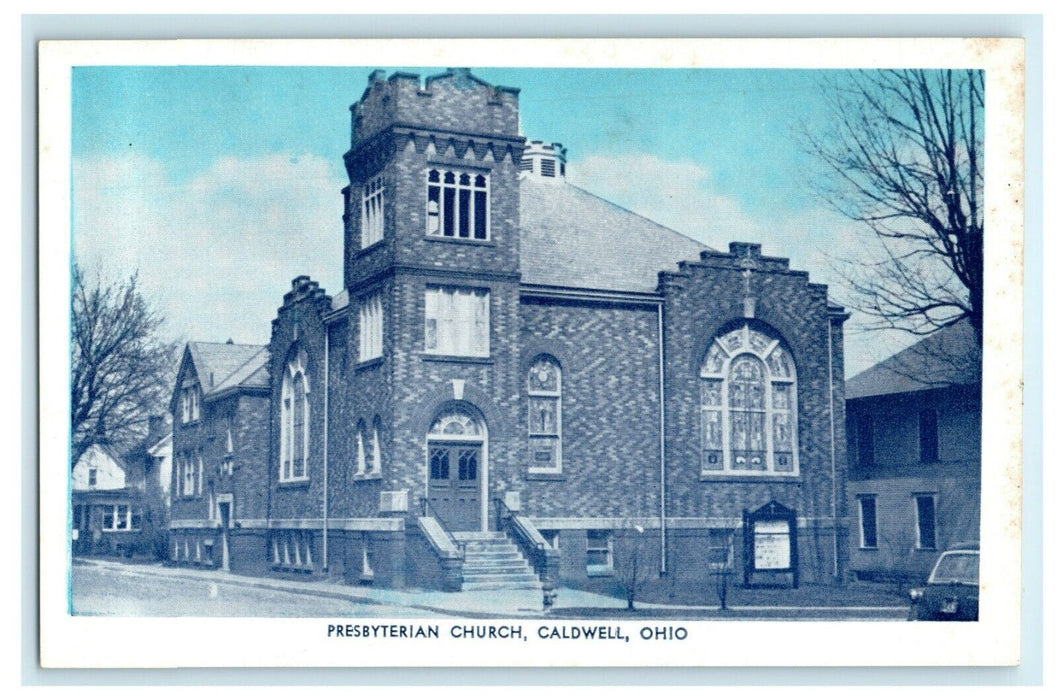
column 297, row 588
column 300, row 588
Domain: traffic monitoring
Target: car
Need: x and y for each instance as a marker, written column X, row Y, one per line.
column 952, row 591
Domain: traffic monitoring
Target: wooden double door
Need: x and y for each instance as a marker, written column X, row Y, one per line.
column 455, row 483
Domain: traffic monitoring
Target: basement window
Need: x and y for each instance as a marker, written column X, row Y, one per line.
column 599, row 553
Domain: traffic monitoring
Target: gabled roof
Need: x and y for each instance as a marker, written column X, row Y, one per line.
column 221, row 367
column 161, row 443
column 948, row 357
column 107, row 451
column 572, row 238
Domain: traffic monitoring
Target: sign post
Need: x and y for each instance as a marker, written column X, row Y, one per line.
column 771, row 558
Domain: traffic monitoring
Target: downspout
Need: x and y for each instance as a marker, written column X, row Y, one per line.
column 832, row 448
column 326, row 431
column 660, row 361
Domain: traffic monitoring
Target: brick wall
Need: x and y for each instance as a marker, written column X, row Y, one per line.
column 610, row 409
column 453, row 100
column 702, row 300
column 250, row 481
column 898, row 475
column 302, row 310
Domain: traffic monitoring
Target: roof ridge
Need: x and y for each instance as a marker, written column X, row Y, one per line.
column 238, row 345
column 638, row 215
column 238, row 369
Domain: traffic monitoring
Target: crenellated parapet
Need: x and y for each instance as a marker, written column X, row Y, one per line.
column 455, row 100
column 304, row 287
column 743, row 256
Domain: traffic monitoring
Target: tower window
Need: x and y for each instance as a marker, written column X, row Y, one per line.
column 457, row 321
column 372, row 219
column 457, row 205
column 371, row 327
column 547, row 167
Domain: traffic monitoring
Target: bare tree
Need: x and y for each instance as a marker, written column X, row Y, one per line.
column 121, row 369
column 633, row 568
column 904, row 153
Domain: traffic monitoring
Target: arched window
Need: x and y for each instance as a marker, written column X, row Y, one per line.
column 293, row 427
column 545, row 415
column 361, row 452
column 376, row 446
column 457, row 205
column 748, row 404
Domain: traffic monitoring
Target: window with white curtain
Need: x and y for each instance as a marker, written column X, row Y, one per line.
column 457, row 321
column 372, row 219
column 371, row 327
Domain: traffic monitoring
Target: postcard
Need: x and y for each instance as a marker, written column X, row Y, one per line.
column 531, row 352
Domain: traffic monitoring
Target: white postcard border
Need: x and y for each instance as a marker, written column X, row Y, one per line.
column 84, row 642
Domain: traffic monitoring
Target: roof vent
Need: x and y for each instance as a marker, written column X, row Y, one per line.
column 545, row 160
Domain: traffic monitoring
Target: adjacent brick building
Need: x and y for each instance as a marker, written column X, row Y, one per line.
column 220, row 454
column 519, row 376
column 914, row 436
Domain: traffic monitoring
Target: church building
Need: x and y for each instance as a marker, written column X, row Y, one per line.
column 520, row 383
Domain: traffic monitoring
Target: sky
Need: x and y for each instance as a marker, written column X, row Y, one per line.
column 219, row 185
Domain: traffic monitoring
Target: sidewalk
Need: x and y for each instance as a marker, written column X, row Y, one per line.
column 570, row 602
column 509, row 604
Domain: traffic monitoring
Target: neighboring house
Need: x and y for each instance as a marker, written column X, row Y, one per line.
column 159, row 452
column 107, row 502
column 914, row 455
column 512, row 357
column 219, row 448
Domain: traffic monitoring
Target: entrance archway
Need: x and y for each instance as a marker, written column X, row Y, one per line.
column 457, row 468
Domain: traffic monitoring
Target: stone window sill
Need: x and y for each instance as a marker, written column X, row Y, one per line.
column 464, row 359
column 488, row 242
column 372, row 247
column 294, row 483
column 544, row 476
column 369, row 364
column 749, row 478
column 292, row 568
column 600, row 571
column 367, row 477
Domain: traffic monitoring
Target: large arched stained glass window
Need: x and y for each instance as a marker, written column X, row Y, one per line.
column 293, row 422
column 748, row 404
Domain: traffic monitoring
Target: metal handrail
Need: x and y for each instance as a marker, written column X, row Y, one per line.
column 501, row 509
column 426, row 507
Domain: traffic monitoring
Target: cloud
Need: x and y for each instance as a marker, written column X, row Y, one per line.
column 677, row 194
column 217, row 251
column 683, row 195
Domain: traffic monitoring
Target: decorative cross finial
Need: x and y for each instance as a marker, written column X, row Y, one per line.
column 748, row 266
column 747, row 263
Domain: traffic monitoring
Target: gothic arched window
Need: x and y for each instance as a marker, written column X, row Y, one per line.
column 748, row 404
column 293, row 421
column 545, row 415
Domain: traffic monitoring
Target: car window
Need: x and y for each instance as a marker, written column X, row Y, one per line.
column 963, row 567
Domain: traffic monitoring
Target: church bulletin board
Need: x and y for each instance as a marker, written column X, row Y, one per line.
column 770, row 547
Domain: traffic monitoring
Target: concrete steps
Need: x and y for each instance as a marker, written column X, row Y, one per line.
column 493, row 563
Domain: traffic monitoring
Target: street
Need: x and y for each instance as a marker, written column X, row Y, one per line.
column 102, row 587
column 131, row 591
